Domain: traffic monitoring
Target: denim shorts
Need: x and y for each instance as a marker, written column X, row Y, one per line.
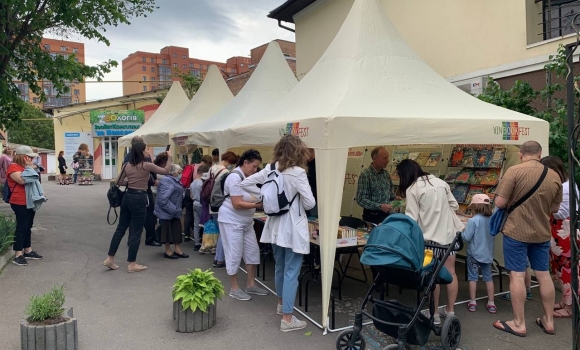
column 473, row 267
column 516, row 254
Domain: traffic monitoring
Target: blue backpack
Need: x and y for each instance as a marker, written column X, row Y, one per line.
column 7, row 192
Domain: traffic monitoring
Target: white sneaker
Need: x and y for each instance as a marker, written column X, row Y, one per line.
column 294, row 325
column 436, row 317
column 256, row 290
column 240, row 295
column 443, row 313
column 279, row 310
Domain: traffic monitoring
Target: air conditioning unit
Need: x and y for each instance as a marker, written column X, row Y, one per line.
column 473, row 86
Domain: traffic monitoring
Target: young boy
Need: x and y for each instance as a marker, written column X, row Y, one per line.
column 479, row 250
column 195, row 192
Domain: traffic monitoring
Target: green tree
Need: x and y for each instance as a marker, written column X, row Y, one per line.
column 33, row 128
column 22, row 58
column 189, row 83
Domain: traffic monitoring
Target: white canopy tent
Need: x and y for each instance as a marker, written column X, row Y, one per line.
column 368, row 89
column 271, row 80
column 154, row 131
column 213, row 95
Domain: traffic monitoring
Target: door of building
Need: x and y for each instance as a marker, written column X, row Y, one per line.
column 110, row 146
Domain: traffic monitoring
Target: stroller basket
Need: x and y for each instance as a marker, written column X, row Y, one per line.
column 394, row 312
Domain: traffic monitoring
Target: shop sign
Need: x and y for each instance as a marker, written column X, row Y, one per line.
column 115, row 123
column 294, row 129
column 511, row 131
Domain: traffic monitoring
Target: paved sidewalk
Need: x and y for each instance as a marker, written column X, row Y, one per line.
column 117, row 310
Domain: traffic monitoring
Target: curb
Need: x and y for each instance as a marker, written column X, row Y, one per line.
column 6, row 258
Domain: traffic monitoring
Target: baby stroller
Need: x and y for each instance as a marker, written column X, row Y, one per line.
column 396, row 249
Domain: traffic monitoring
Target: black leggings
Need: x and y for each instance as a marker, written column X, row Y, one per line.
column 132, row 217
column 24, row 222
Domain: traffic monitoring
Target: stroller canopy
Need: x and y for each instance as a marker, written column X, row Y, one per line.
column 397, row 242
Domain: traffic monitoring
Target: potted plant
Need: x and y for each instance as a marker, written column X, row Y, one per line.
column 48, row 325
column 7, row 231
column 194, row 301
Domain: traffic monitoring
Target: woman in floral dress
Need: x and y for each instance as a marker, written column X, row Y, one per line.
column 560, row 260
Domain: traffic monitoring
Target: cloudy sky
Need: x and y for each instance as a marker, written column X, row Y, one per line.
column 211, row 29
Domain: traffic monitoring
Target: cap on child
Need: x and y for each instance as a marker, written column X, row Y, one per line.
column 480, row 199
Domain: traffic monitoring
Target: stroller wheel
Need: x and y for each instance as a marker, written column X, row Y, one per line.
column 391, row 347
column 450, row 333
column 344, row 338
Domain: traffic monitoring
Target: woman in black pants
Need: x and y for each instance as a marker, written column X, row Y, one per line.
column 135, row 175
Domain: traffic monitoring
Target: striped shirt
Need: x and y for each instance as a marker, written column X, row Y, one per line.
column 374, row 188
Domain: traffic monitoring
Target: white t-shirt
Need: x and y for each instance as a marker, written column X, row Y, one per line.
column 227, row 213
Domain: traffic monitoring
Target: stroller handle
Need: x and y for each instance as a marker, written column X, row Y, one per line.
column 456, row 244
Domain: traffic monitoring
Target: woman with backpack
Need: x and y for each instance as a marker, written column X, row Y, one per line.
column 288, row 232
column 135, row 175
column 236, row 222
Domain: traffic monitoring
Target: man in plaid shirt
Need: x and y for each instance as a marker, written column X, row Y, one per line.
column 375, row 188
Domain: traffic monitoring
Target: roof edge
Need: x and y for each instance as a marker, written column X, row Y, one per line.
column 288, row 9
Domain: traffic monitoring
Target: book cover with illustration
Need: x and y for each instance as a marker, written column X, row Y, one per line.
column 473, row 190
column 433, row 159
column 464, row 176
column 423, row 158
column 414, row 155
column 400, row 155
column 497, row 158
column 483, row 158
column 456, row 157
column 451, row 176
column 491, row 178
column 460, row 193
column 478, row 176
column 469, row 155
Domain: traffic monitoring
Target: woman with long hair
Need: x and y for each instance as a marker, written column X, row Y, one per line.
column 135, row 175
column 431, row 203
column 62, row 168
column 560, row 258
column 236, row 222
column 23, row 159
column 288, row 233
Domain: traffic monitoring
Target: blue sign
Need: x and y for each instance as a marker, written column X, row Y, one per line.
column 72, row 134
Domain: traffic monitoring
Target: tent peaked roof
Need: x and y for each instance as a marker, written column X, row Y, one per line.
column 212, row 95
column 271, row 80
column 152, row 130
column 370, row 88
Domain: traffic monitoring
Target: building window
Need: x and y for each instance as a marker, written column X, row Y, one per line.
column 63, row 48
column 184, row 57
column 185, row 66
column 152, row 69
column 75, row 50
column 152, row 78
column 76, row 102
column 47, row 47
column 558, row 16
column 76, row 59
column 144, row 68
column 241, row 64
column 196, row 73
column 35, row 100
column 174, row 55
column 164, row 61
column 144, row 78
column 233, row 70
column 144, row 87
column 143, row 59
column 152, row 60
column 175, row 65
column 191, row 65
column 77, row 92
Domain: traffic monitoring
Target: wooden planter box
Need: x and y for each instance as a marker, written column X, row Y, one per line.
column 59, row 336
column 189, row 322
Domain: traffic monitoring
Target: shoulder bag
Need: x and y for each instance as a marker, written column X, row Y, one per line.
column 115, row 197
column 499, row 217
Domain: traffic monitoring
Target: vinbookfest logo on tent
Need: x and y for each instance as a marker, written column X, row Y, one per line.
column 294, row 129
column 511, row 131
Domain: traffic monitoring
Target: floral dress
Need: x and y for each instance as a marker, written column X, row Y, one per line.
column 560, row 260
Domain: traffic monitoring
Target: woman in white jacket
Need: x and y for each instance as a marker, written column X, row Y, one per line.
column 288, row 233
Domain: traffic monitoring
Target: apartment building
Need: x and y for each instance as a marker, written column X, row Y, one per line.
column 464, row 41
column 149, row 71
column 77, row 91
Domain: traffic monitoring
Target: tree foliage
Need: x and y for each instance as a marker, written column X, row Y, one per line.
column 190, row 83
column 33, row 128
column 22, row 58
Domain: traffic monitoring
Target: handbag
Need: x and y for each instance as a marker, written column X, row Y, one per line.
column 499, row 216
column 115, row 197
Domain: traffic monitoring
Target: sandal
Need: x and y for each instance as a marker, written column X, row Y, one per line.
column 559, row 306
column 506, row 328
column 562, row 313
column 491, row 308
column 472, row 306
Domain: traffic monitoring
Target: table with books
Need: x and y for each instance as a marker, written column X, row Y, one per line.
column 265, row 248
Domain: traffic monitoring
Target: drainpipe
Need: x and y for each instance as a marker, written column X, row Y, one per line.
column 284, row 27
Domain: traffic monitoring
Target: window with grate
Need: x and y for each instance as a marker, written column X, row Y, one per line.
column 558, row 16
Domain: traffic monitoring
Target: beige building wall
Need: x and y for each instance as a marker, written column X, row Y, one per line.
column 455, row 37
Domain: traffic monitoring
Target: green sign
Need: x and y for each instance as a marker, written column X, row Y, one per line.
column 108, row 117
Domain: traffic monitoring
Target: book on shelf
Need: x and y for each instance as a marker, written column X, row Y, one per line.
column 399, row 156
column 473, row 190
column 423, row 158
column 477, row 176
column 464, row 176
column 414, row 155
column 483, row 158
column 497, row 158
column 460, row 192
column 456, row 158
column 451, row 176
column 433, row 159
column 491, row 178
column 469, row 155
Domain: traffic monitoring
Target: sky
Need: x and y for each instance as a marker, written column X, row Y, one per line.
column 212, row 29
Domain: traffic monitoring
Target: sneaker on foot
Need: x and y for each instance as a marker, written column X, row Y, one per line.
column 279, row 310
column 19, row 260
column 32, row 256
column 294, row 325
column 508, row 297
column 256, row 290
column 214, row 263
column 196, row 248
column 213, row 250
column 436, row 318
column 443, row 313
column 240, row 295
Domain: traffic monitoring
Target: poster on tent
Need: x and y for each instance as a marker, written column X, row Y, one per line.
column 354, row 166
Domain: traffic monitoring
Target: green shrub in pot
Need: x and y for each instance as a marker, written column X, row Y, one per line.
column 197, row 290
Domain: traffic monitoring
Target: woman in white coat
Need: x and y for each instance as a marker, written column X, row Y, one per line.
column 288, row 233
